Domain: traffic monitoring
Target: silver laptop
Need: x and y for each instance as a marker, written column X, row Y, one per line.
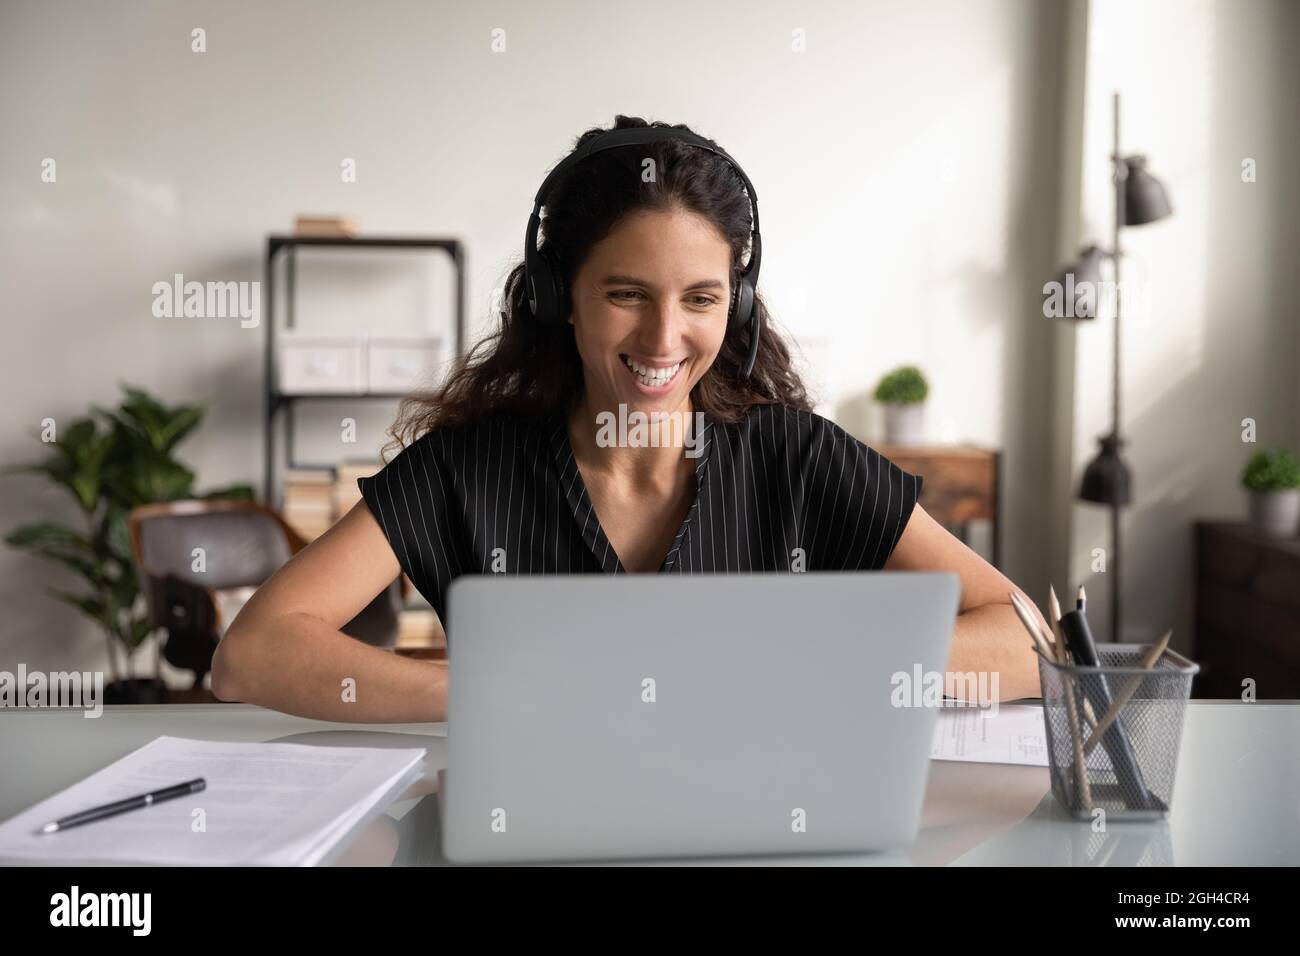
column 596, row 717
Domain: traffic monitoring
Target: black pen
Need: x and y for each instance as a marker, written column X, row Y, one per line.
column 1081, row 602
column 122, row 806
column 1078, row 637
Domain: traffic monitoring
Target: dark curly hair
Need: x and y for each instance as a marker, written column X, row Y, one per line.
column 528, row 369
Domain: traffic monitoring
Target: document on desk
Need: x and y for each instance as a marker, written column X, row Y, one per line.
column 1014, row 733
column 264, row 804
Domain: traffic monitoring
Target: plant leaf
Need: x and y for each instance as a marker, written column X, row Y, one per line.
column 147, row 477
column 183, row 420
column 85, row 567
column 61, row 545
column 230, row 492
column 117, row 534
column 163, row 427
column 92, row 606
column 77, row 436
column 138, row 628
column 47, row 534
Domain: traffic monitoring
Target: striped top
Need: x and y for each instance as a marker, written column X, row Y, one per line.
column 781, row 490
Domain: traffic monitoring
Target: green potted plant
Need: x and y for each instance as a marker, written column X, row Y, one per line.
column 110, row 462
column 1272, row 476
column 903, row 393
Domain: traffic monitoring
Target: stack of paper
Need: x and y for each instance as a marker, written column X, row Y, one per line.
column 1013, row 733
column 264, row 804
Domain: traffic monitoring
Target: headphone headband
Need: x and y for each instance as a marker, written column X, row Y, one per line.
column 640, row 136
column 546, row 293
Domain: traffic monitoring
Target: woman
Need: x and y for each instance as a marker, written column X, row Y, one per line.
column 522, row 463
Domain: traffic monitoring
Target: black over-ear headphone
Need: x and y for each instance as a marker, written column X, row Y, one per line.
column 548, row 297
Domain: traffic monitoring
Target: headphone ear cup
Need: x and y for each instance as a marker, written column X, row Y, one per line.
column 747, row 315
column 742, row 305
column 559, row 292
column 534, row 297
column 546, row 296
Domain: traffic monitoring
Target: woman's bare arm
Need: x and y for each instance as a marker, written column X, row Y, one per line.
column 988, row 638
column 285, row 650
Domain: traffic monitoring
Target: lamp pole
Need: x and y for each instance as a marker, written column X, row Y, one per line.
column 1139, row 198
column 1113, row 565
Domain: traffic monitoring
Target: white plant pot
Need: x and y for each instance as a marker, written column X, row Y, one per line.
column 1276, row 513
column 904, row 424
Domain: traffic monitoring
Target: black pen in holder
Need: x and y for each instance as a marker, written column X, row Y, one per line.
column 1131, row 757
column 1096, row 690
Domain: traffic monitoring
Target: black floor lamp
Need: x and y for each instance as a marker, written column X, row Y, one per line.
column 1107, row 480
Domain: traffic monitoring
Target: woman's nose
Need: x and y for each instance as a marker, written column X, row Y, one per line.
column 662, row 330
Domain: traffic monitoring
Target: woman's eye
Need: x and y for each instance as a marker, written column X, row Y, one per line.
column 632, row 295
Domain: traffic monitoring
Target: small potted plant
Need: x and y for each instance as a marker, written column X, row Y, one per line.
column 903, row 393
column 1272, row 477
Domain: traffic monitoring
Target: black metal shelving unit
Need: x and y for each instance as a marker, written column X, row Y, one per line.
column 277, row 401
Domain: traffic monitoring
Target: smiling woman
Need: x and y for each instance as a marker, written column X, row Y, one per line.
column 630, row 233
column 664, row 331
column 637, row 302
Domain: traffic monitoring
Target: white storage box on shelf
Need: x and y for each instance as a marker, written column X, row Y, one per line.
column 401, row 365
column 321, row 364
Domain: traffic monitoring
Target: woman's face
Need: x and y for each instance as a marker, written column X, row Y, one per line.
column 650, row 310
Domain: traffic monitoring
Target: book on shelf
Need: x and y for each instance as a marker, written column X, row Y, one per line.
column 326, row 226
column 315, row 498
column 308, row 476
column 420, row 627
column 346, row 492
column 309, row 500
column 309, row 529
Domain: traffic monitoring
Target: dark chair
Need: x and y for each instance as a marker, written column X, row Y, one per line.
column 243, row 544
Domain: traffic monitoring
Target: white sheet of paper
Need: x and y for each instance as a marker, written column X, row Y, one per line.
column 265, row 803
column 1013, row 734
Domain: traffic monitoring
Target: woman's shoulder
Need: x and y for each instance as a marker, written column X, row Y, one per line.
column 454, row 442
column 776, row 430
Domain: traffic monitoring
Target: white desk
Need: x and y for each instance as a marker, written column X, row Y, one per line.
column 1237, row 800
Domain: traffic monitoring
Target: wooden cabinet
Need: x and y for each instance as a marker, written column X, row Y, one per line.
column 961, row 485
column 1247, row 608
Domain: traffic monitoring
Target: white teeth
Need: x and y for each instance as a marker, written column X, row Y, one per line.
column 653, row 377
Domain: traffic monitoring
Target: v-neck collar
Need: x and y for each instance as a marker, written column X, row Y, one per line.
column 584, row 512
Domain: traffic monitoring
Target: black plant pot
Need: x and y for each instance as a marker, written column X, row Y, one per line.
column 135, row 690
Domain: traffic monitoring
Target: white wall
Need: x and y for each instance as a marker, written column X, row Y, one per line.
column 1205, row 85
column 907, row 165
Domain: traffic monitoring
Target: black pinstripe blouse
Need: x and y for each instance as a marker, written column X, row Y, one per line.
column 781, row 490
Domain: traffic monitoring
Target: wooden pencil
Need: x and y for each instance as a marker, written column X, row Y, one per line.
column 1031, row 625
column 1076, row 737
column 1147, row 661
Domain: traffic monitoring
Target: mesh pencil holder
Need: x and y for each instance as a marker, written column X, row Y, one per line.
column 1130, row 760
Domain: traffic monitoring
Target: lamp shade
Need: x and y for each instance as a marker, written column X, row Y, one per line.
column 1145, row 199
column 1076, row 288
column 1107, row 479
